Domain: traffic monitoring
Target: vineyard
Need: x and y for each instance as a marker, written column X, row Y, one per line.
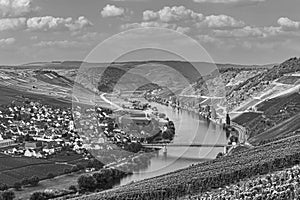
column 279, row 185
column 212, row 174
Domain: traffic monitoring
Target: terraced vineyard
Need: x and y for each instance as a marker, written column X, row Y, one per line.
column 212, row 174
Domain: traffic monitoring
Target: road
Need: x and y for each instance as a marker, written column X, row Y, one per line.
column 184, row 145
column 109, row 102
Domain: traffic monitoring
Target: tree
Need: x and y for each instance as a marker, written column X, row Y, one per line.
column 25, row 181
column 73, row 188
column 168, row 134
column 94, row 163
column 3, row 187
column 86, row 183
column 17, row 186
column 74, row 169
column 227, row 119
column 34, row 181
column 50, row 175
column 8, row 195
column 67, row 171
column 38, row 196
column 80, row 167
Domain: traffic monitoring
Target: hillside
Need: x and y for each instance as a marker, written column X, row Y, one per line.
column 286, row 128
column 9, row 95
column 205, row 176
column 275, row 111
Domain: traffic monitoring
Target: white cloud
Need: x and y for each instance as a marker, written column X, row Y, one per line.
column 61, row 44
column 148, row 24
column 57, row 23
column 7, row 41
column 247, row 31
column 79, row 24
column 227, row 1
column 221, row 21
column 171, row 14
column 288, row 24
column 149, row 15
column 15, row 8
column 184, row 30
column 12, row 24
column 112, row 11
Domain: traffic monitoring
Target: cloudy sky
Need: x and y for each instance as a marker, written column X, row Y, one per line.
column 231, row 31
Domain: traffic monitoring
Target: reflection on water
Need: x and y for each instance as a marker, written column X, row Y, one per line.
column 190, row 129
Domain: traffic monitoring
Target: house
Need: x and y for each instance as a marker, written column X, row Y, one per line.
column 6, row 143
column 33, row 145
column 32, row 153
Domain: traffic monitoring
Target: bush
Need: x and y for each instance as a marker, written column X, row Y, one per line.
column 34, row 181
column 3, row 187
column 94, row 163
column 38, row 196
column 86, row 183
column 67, row 171
column 50, row 175
column 17, row 186
column 25, row 181
column 73, row 188
column 80, row 167
column 74, row 169
column 8, row 195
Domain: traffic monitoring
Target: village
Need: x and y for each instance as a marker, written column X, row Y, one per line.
column 36, row 130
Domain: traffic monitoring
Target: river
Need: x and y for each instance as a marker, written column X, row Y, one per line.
column 190, row 129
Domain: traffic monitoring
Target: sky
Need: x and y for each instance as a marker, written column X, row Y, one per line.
column 228, row 31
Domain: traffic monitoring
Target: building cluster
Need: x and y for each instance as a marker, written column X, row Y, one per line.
column 36, row 130
column 102, row 130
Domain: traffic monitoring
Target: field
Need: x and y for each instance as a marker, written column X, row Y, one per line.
column 289, row 80
column 275, row 111
column 284, row 129
column 14, row 169
column 246, row 117
column 8, row 95
column 212, row 174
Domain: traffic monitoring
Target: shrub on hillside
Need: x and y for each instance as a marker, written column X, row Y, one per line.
column 86, row 183
column 3, row 187
column 17, row 186
column 8, row 195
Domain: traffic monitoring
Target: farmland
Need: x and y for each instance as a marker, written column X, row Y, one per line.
column 14, row 169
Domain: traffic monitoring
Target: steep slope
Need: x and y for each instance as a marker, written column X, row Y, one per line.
column 286, row 128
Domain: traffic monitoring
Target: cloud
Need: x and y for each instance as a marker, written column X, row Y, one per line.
column 16, row 8
column 12, row 24
column 7, row 41
column 148, row 24
column 172, row 14
column 221, row 21
column 247, row 31
column 228, row 1
column 288, row 24
column 112, row 11
column 61, row 44
column 57, row 23
column 79, row 24
column 184, row 30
